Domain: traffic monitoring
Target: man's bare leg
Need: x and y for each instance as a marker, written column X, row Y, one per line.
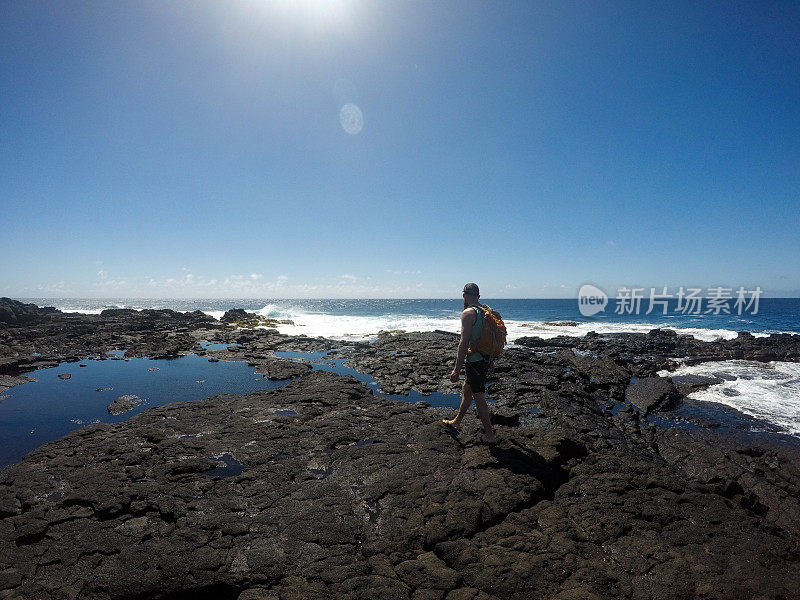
column 466, row 400
column 483, row 414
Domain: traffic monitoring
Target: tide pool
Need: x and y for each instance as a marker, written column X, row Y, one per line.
column 34, row 413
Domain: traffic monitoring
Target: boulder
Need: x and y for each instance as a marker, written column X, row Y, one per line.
column 234, row 315
column 686, row 384
column 14, row 312
column 651, row 394
column 124, row 404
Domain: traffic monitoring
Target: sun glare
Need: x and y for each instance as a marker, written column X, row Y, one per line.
column 319, row 14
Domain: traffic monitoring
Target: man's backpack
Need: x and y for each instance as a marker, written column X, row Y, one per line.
column 493, row 335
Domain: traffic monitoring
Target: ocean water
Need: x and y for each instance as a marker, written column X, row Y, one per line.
column 363, row 319
column 768, row 391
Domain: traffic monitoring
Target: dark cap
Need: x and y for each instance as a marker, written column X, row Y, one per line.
column 472, row 289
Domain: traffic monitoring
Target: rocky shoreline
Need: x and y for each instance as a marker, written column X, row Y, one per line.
column 321, row 489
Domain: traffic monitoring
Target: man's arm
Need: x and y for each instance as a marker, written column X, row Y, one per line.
column 468, row 317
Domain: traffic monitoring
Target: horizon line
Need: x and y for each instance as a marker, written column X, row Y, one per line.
column 21, row 298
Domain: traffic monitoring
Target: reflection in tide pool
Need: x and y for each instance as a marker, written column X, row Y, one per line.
column 217, row 346
column 34, row 413
column 320, row 362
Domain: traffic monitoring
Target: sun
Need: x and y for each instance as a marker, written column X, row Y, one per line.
column 319, row 14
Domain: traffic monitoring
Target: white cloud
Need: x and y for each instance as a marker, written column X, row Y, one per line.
column 105, row 282
column 406, row 272
column 111, row 284
column 184, row 283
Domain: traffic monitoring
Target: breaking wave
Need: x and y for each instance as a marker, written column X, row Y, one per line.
column 349, row 327
column 768, row 391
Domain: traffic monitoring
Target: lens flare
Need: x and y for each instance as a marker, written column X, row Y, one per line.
column 351, row 119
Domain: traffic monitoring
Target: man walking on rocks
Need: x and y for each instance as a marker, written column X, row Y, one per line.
column 475, row 365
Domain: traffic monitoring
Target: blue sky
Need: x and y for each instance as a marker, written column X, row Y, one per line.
column 171, row 149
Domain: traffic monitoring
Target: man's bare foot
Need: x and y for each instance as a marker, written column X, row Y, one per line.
column 488, row 439
column 454, row 423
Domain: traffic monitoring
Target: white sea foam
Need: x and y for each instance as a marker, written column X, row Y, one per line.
column 768, row 391
column 348, row 327
column 81, row 310
column 275, row 311
column 542, row 329
column 91, row 307
column 217, row 314
column 309, row 322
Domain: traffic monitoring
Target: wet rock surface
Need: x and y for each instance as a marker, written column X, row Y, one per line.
column 48, row 337
column 655, row 349
column 18, row 313
column 124, row 404
column 420, row 361
column 241, row 318
column 321, row 489
column 32, row 338
column 9, row 381
column 346, row 495
column 651, row 394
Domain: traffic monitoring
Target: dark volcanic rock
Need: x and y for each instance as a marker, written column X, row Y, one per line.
column 340, row 494
column 48, row 338
column 18, row 313
column 243, row 319
column 54, row 337
column 235, row 314
column 8, row 381
column 400, row 362
column 655, row 349
column 322, row 490
column 652, row 394
column 686, row 384
column 119, row 313
column 124, row 404
column 277, row 368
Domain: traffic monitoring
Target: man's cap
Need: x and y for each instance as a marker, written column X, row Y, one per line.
column 472, row 289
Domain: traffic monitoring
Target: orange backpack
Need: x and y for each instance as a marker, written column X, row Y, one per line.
column 493, row 335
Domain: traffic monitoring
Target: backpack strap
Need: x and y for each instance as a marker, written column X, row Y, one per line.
column 479, row 310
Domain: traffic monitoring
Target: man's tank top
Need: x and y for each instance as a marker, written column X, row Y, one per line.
column 477, row 329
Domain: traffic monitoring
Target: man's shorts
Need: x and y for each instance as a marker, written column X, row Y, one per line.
column 476, row 375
